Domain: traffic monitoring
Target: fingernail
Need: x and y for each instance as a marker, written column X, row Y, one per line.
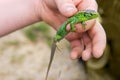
column 69, row 8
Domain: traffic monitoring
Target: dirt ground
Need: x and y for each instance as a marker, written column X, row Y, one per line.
column 21, row 59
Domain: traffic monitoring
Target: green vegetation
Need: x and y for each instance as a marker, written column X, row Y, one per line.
column 34, row 31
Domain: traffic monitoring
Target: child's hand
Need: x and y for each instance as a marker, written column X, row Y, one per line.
column 85, row 43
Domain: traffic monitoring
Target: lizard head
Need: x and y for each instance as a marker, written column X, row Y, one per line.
column 90, row 14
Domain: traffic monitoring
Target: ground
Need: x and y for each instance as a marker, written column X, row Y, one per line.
column 22, row 59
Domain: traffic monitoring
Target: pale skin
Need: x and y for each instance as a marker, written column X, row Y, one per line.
column 16, row 14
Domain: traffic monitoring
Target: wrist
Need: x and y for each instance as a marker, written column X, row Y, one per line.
column 41, row 9
column 38, row 5
column 35, row 8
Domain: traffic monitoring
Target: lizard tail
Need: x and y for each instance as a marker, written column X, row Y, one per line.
column 51, row 57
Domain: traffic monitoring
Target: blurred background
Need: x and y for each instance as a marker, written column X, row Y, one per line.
column 24, row 54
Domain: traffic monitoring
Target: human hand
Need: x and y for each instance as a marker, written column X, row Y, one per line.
column 85, row 43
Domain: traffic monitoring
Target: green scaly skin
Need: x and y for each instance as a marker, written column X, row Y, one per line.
column 79, row 17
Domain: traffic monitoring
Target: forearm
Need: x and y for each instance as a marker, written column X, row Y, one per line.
column 16, row 14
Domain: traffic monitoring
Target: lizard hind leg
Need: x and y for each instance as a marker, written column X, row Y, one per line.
column 59, row 48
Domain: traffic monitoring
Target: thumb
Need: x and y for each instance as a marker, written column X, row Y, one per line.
column 66, row 7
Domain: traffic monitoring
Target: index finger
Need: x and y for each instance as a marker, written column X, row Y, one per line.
column 88, row 4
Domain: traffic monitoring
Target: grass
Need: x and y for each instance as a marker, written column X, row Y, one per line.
column 33, row 31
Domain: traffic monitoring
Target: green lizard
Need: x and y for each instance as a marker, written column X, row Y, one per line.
column 79, row 17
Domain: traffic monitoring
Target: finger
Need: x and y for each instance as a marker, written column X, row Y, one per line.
column 66, row 7
column 77, row 49
column 73, row 36
column 86, row 54
column 98, row 35
column 76, row 2
column 89, row 24
column 79, row 28
column 88, row 4
column 84, row 5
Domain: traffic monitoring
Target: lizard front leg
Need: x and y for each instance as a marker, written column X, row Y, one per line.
column 83, row 24
column 72, row 26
